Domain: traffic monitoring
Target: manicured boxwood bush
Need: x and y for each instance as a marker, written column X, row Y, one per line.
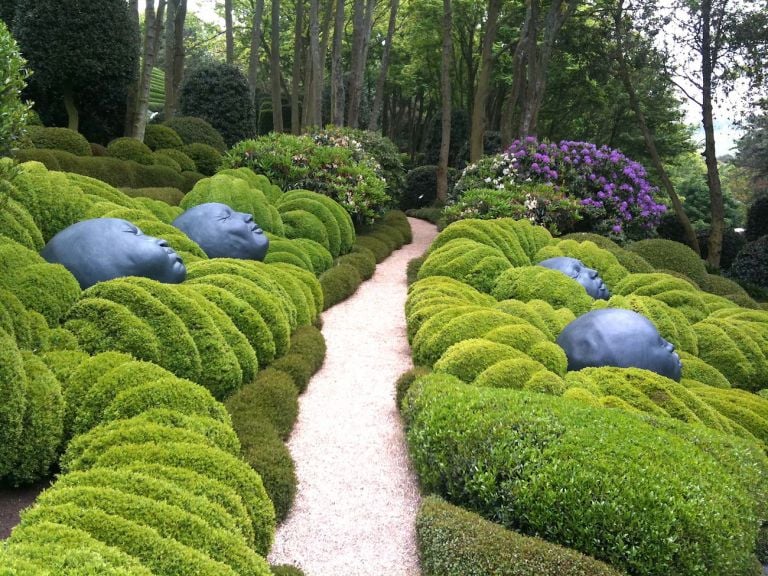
column 664, row 502
column 376, row 246
column 167, row 161
column 59, row 139
column 420, row 188
column 536, row 282
column 671, row 255
column 13, row 389
column 171, row 196
column 471, row 262
column 362, row 260
column 193, row 130
column 303, row 224
column 210, row 462
column 207, row 159
column 311, row 203
column 339, row 283
column 456, row 542
column 130, row 149
column 503, row 235
column 189, row 178
column 160, row 137
column 751, row 264
column 17, row 224
column 289, row 251
column 183, row 160
column 297, row 367
column 757, row 218
column 308, row 342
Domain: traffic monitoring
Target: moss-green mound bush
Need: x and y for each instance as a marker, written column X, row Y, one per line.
column 536, row 282
column 606, row 264
column 361, row 260
column 177, row 350
column 467, row 359
column 101, row 325
column 13, row 390
column 747, row 410
column 535, row 463
column 17, row 224
column 59, row 139
column 167, row 161
column 290, row 252
column 193, row 130
column 675, row 292
column 489, row 232
column 342, row 217
column 210, row 462
column 308, row 342
column 183, row 160
column 671, row 255
column 521, row 373
column 469, row 261
column 130, row 149
column 303, row 216
column 456, row 542
column 161, row 137
column 303, row 224
column 377, row 247
column 339, row 283
column 297, row 367
column 207, row 159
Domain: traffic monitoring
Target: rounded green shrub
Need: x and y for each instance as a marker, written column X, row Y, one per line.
column 457, row 542
column 310, row 282
column 535, row 463
column 282, row 250
column 696, row 369
column 491, row 233
column 308, row 342
column 536, row 282
column 734, row 351
column 189, row 178
column 102, row 325
column 183, row 160
column 379, row 249
column 63, row 363
column 177, row 352
column 297, row 367
column 13, row 388
column 17, row 224
column 156, row 176
column 207, row 159
column 671, row 255
column 160, row 137
column 59, row 139
column 303, row 224
column 675, row 292
column 130, row 149
column 515, row 373
column 302, row 214
column 167, row 161
column 45, row 157
column 339, row 283
column 469, row 358
column 193, row 130
column 180, row 242
column 213, row 463
column 272, row 397
column 300, row 294
column 342, row 217
column 161, row 555
column 221, row 370
column 15, row 320
column 363, row 261
column 468, row 261
column 42, row 423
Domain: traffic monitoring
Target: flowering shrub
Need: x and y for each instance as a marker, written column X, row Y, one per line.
column 612, row 191
column 539, row 203
column 328, row 166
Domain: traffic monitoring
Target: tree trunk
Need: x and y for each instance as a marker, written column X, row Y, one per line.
column 132, row 100
column 379, row 97
column 325, row 32
column 337, row 77
column 296, row 72
column 314, row 92
column 152, row 24
column 230, row 39
column 73, row 116
column 717, row 210
column 253, row 58
column 650, row 143
column 174, row 54
column 445, row 92
column 360, row 39
column 277, row 103
column 477, row 130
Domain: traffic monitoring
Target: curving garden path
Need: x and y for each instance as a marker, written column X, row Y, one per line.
column 357, row 496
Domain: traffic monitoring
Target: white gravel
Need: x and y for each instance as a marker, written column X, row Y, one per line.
column 357, row 495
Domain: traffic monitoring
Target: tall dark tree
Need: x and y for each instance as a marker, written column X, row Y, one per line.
column 361, row 35
column 298, row 39
column 378, row 99
column 274, row 69
column 253, row 58
column 76, row 50
column 477, row 130
column 174, row 54
column 228, row 32
column 337, row 74
column 752, row 147
column 445, row 92
column 153, row 25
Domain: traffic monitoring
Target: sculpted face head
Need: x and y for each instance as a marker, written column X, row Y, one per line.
column 105, row 248
column 223, row 233
column 617, row 337
column 577, row 270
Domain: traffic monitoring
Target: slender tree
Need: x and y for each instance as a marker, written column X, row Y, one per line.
column 230, row 38
column 174, row 54
column 380, row 81
column 314, row 92
column 274, row 60
column 253, row 58
column 361, row 33
column 477, row 128
column 132, row 100
column 445, row 90
column 298, row 38
column 337, row 78
column 153, row 25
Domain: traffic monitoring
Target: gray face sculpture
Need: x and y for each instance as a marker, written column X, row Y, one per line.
column 577, row 270
column 105, row 248
column 617, row 337
column 223, row 233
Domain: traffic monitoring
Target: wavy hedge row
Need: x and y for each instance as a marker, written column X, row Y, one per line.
column 615, row 463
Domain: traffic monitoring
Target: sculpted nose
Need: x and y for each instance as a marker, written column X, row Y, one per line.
column 592, row 273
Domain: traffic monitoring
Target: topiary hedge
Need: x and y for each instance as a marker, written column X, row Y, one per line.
column 671, row 255
column 339, row 283
column 207, row 159
column 160, row 137
column 664, row 502
column 130, row 149
column 193, row 130
column 59, row 139
column 456, row 542
column 183, row 160
column 751, row 264
column 536, row 282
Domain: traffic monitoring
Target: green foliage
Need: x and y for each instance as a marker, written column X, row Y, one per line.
column 17, row 224
column 535, row 463
column 456, row 542
column 286, row 570
column 536, row 282
column 420, row 188
column 343, row 219
column 207, row 159
column 297, row 367
column 362, row 260
column 59, row 139
column 308, row 342
column 160, row 137
column 303, row 224
column 167, row 161
column 219, row 93
column 376, row 246
column 433, row 215
column 13, row 390
column 193, row 130
column 67, row 47
column 339, row 283
column 169, row 196
column 751, row 264
column 183, row 160
column 209, row 462
column 670, row 255
column 298, row 162
column 13, row 74
column 190, row 178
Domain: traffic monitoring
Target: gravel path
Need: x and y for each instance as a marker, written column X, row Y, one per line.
column 357, row 496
